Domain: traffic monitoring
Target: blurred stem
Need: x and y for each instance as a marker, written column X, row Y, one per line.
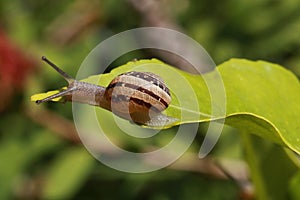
column 254, row 166
column 58, row 124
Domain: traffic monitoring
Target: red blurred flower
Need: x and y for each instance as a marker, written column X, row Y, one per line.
column 14, row 68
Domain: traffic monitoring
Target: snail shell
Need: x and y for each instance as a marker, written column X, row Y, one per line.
column 137, row 92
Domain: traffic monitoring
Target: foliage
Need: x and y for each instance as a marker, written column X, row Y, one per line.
column 34, row 143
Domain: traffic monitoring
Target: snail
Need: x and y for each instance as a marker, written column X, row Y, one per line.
column 139, row 97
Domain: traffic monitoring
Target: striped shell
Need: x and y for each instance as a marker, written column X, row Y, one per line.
column 137, row 92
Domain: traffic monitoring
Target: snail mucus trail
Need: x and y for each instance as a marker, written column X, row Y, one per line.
column 136, row 96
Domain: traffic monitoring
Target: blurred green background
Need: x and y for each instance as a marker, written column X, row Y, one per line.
column 41, row 156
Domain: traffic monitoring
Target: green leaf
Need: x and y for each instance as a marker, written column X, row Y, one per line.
column 67, row 174
column 261, row 98
column 270, row 167
column 13, row 167
column 294, row 187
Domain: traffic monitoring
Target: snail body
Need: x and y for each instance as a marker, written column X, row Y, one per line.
column 135, row 96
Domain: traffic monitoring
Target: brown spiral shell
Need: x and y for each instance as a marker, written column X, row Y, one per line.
column 137, row 93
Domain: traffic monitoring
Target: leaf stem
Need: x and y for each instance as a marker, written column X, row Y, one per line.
column 252, row 159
